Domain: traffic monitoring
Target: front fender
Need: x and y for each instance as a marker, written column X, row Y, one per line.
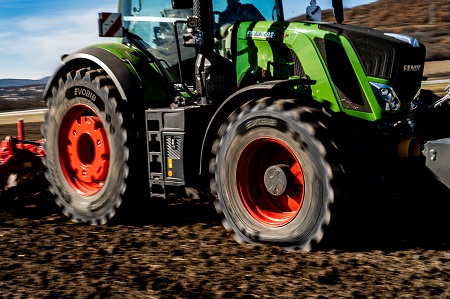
column 278, row 88
column 134, row 74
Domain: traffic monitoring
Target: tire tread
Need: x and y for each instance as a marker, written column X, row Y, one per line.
column 318, row 123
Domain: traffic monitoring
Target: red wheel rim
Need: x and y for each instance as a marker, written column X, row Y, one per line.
column 83, row 150
column 264, row 207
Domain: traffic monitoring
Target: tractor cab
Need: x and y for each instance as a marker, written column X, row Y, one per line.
column 159, row 28
column 196, row 44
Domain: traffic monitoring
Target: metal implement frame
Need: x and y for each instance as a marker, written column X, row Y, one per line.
column 18, row 155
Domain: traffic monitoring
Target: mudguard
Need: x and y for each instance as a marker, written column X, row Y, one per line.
column 253, row 92
column 133, row 72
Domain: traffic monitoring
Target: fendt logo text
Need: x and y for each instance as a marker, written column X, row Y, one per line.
column 411, row 68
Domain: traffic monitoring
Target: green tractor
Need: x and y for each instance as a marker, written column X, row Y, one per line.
column 279, row 120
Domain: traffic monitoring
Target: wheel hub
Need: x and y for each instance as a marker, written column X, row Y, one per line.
column 270, row 182
column 84, row 150
column 88, row 149
column 276, row 179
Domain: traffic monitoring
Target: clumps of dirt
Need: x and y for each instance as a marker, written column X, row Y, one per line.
column 386, row 248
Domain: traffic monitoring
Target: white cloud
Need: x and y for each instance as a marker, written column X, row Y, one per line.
column 32, row 47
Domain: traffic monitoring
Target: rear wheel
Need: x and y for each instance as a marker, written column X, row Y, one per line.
column 272, row 171
column 86, row 151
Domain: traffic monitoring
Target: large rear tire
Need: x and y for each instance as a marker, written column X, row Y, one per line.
column 86, row 151
column 272, row 172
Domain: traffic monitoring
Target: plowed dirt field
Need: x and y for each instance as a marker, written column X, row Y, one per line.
column 387, row 247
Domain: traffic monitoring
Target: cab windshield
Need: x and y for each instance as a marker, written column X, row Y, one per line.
column 160, row 27
column 232, row 11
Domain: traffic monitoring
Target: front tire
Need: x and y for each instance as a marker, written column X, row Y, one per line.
column 272, row 172
column 86, row 151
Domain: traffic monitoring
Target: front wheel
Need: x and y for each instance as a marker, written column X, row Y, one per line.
column 86, row 151
column 272, row 172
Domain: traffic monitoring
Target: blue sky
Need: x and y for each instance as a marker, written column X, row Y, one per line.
column 35, row 33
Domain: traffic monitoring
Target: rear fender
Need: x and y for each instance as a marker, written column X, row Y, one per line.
column 135, row 78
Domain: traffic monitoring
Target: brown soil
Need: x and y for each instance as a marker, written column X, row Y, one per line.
column 387, row 247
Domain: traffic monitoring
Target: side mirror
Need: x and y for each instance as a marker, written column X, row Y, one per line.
column 182, row 4
column 338, row 11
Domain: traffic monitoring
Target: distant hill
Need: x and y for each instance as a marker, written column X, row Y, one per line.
column 22, row 82
column 426, row 20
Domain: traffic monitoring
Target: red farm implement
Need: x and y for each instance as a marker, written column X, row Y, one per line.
column 18, row 156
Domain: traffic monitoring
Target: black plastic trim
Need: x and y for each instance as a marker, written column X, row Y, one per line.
column 113, row 66
column 343, row 75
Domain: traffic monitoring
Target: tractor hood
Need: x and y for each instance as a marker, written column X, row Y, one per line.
column 394, row 57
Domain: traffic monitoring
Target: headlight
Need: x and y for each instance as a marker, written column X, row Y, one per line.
column 386, row 96
column 416, row 102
